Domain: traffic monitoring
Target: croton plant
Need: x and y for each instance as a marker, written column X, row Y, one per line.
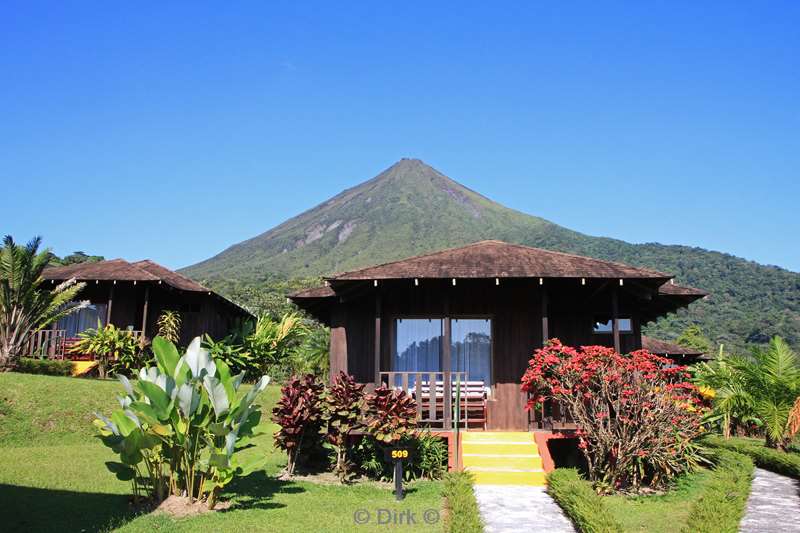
column 298, row 415
column 392, row 415
column 342, row 406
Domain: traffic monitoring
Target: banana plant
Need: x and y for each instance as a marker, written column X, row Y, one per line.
column 180, row 424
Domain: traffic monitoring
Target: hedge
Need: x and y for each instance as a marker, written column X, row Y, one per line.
column 49, row 367
column 721, row 505
column 580, row 502
column 787, row 464
column 462, row 514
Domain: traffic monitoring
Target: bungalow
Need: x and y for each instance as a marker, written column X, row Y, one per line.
column 456, row 328
column 132, row 296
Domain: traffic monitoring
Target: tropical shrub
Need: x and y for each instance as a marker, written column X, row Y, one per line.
column 463, row 515
column 312, row 356
column 231, row 353
column 342, row 404
column 580, row 502
column 179, row 425
column 273, row 342
column 48, row 367
column 392, row 415
column 762, row 388
column 25, row 305
column 298, row 415
column 169, row 325
column 116, row 350
column 430, row 457
column 720, row 507
column 637, row 416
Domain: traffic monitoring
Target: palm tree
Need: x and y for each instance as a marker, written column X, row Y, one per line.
column 763, row 387
column 24, row 306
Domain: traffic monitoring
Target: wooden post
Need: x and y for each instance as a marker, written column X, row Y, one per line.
column 110, row 303
column 545, row 317
column 615, row 318
column 338, row 349
column 144, row 312
column 377, row 339
column 447, row 381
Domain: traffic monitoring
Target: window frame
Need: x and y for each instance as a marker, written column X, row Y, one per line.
column 446, row 328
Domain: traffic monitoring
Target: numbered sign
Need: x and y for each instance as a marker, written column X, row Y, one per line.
column 397, row 454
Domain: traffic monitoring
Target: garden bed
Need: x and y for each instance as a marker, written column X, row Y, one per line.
column 708, row 500
column 53, row 468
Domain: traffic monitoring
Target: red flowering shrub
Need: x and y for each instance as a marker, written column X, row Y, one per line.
column 298, row 415
column 637, row 414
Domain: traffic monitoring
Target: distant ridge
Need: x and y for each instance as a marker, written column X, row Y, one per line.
column 411, row 208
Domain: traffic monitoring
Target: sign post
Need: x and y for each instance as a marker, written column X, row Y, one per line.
column 397, row 455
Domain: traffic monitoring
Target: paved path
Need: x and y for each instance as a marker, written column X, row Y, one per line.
column 513, row 508
column 773, row 505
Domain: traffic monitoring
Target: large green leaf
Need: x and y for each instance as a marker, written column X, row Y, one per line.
column 122, row 471
column 159, row 401
column 167, row 356
column 217, row 395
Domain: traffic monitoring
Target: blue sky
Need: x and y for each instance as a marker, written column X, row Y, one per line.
column 171, row 130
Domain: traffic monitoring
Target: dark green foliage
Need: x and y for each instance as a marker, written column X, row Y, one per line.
column 428, row 459
column 431, row 455
column 412, row 209
column 693, row 337
column 462, row 514
column 721, row 506
column 48, row 367
column 75, row 258
column 580, row 502
column 785, row 463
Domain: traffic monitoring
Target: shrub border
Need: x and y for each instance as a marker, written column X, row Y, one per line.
column 784, row 463
column 580, row 502
column 461, row 508
column 45, row 367
column 721, row 506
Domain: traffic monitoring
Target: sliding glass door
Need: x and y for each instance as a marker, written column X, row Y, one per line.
column 419, row 346
column 471, row 348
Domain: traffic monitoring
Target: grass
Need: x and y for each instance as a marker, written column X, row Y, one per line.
column 704, row 501
column 463, row 515
column 660, row 513
column 52, row 475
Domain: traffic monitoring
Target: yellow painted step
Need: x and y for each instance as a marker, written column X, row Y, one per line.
column 521, row 462
column 499, row 448
column 499, row 477
column 497, row 436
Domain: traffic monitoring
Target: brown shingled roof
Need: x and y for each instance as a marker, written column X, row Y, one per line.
column 660, row 347
column 314, row 292
column 497, row 259
column 114, row 269
column 673, row 289
column 166, row 275
column 121, row 270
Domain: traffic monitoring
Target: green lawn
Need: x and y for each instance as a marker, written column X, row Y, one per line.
column 662, row 513
column 53, row 478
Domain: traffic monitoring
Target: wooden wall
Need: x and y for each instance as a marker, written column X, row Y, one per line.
column 515, row 307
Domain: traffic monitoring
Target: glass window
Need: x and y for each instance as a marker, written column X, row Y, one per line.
column 604, row 325
column 419, row 345
column 471, row 348
column 84, row 319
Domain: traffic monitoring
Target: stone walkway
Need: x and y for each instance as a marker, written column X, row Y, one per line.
column 773, row 505
column 513, row 508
